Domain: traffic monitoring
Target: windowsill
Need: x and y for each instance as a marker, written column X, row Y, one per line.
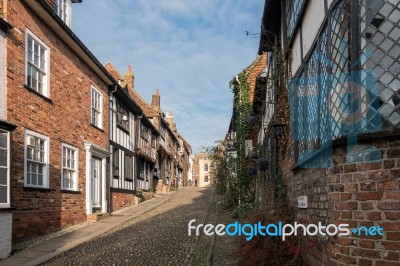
column 129, row 179
column 96, row 127
column 37, row 189
column 70, row 191
column 38, row 94
column 7, row 209
column 116, row 176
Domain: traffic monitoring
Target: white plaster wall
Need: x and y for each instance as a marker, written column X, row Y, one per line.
column 203, row 173
column 5, row 234
column 296, row 53
column 312, row 21
column 190, row 173
column 2, row 79
column 330, row 3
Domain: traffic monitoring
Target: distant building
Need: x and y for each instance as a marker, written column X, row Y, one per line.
column 202, row 170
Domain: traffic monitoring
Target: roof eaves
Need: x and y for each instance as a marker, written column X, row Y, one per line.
column 106, row 76
column 269, row 25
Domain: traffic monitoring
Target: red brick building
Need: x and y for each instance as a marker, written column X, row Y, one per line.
column 75, row 142
column 57, row 95
column 338, row 158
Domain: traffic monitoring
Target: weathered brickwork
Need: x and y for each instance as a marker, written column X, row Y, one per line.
column 121, row 200
column 64, row 118
column 358, row 194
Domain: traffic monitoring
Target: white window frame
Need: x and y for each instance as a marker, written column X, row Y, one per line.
column 64, row 10
column 7, row 167
column 99, row 122
column 45, row 71
column 74, row 169
column 29, row 133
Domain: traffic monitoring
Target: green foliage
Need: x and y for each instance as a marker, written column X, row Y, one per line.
column 243, row 109
column 281, row 187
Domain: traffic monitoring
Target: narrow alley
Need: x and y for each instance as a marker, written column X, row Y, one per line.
column 159, row 237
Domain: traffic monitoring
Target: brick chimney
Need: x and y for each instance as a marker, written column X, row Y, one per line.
column 129, row 78
column 155, row 99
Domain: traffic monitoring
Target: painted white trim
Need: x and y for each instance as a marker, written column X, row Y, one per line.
column 46, row 158
column 99, row 152
column 76, row 158
column 46, row 82
column 92, row 87
column 8, row 166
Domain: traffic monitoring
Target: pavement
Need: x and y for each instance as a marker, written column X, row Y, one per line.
column 49, row 249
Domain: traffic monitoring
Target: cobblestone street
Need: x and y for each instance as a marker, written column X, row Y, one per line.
column 159, row 237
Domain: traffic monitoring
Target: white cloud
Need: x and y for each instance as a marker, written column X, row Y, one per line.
column 188, row 49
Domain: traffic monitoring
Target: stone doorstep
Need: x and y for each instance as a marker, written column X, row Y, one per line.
column 94, row 217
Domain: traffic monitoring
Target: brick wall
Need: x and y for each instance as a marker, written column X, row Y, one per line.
column 359, row 194
column 121, row 200
column 64, row 119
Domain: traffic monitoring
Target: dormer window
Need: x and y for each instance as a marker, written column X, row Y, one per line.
column 63, row 9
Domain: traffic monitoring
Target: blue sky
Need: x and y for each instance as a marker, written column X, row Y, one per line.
column 190, row 50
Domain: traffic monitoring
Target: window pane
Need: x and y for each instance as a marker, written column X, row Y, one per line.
column 34, row 179
column 3, row 157
column 40, row 180
column 28, row 177
column 3, row 176
column 65, row 184
column 40, row 169
column 3, row 140
column 3, row 194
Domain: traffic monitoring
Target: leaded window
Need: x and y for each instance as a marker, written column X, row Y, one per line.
column 380, row 38
column 349, row 84
column 293, row 9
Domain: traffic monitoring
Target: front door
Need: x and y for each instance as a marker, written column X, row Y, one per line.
column 96, row 182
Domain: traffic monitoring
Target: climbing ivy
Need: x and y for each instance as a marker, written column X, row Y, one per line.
column 243, row 109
